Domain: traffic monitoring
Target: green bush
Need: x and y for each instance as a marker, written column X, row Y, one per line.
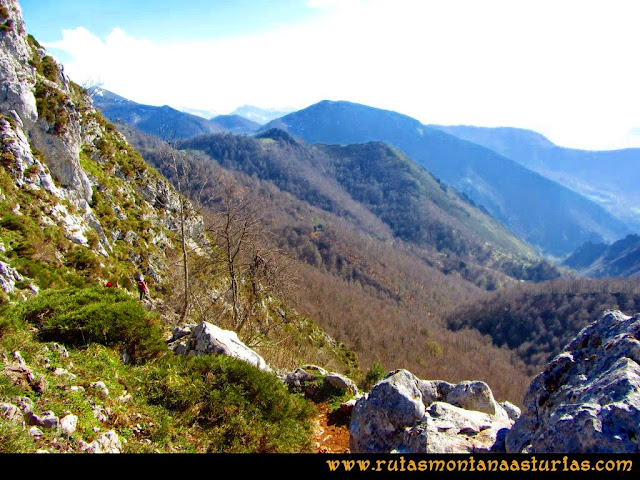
column 375, row 373
column 239, row 408
column 78, row 317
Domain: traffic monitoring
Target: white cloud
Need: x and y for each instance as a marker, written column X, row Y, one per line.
column 567, row 69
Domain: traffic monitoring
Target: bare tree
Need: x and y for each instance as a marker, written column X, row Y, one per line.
column 182, row 171
column 235, row 233
column 255, row 268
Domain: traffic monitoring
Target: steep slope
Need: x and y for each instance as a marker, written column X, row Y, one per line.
column 383, row 298
column 164, row 121
column 620, row 259
column 418, row 207
column 79, row 206
column 545, row 214
column 609, row 178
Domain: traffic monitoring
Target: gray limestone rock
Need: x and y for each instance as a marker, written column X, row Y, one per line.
column 341, row 383
column 10, row 412
column 451, row 429
column 108, row 442
column 379, row 419
column 68, row 424
column 405, row 414
column 587, row 400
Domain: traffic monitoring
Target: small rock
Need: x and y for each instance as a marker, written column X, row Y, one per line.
column 61, row 349
column 18, row 357
column 59, row 372
column 512, row 410
column 35, row 432
column 100, row 388
column 99, row 414
column 10, row 412
column 108, row 442
column 24, row 403
column 50, row 421
column 347, row 407
column 31, row 418
column 69, row 423
column 341, row 383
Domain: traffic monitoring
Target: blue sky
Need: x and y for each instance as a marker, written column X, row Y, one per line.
column 567, row 69
column 162, row 21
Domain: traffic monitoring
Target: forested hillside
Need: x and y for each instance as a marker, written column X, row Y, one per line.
column 383, row 298
column 537, row 321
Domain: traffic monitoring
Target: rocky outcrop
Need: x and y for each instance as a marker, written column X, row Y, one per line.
column 404, row 413
column 207, row 338
column 587, row 400
column 16, row 76
column 8, row 277
column 22, row 411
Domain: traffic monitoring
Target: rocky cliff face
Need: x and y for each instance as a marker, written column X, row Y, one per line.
column 66, row 169
column 587, row 400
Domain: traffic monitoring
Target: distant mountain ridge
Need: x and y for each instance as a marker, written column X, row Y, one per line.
column 235, row 123
column 542, row 212
column 260, row 115
column 609, row 178
column 165, row 122
column 620, row 259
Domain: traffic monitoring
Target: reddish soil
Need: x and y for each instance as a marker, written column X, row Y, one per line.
column 330, row 431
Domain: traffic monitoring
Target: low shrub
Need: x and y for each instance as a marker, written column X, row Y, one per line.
column 77, row 317
column 239, row 408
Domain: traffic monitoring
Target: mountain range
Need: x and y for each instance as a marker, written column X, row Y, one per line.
column 549, row 216
column 165, row 121
column 620, row 259
column 552, row 217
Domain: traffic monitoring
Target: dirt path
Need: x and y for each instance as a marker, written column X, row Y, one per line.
column 330, row 431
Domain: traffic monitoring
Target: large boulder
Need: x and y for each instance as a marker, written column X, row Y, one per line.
column 405, row 414
column 447, row 428
column 587, row 399
column 207, row 338
column 379, row 419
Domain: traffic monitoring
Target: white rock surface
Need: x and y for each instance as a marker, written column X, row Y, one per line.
column 207, row 338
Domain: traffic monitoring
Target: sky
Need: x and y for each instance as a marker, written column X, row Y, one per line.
column 568, row 69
